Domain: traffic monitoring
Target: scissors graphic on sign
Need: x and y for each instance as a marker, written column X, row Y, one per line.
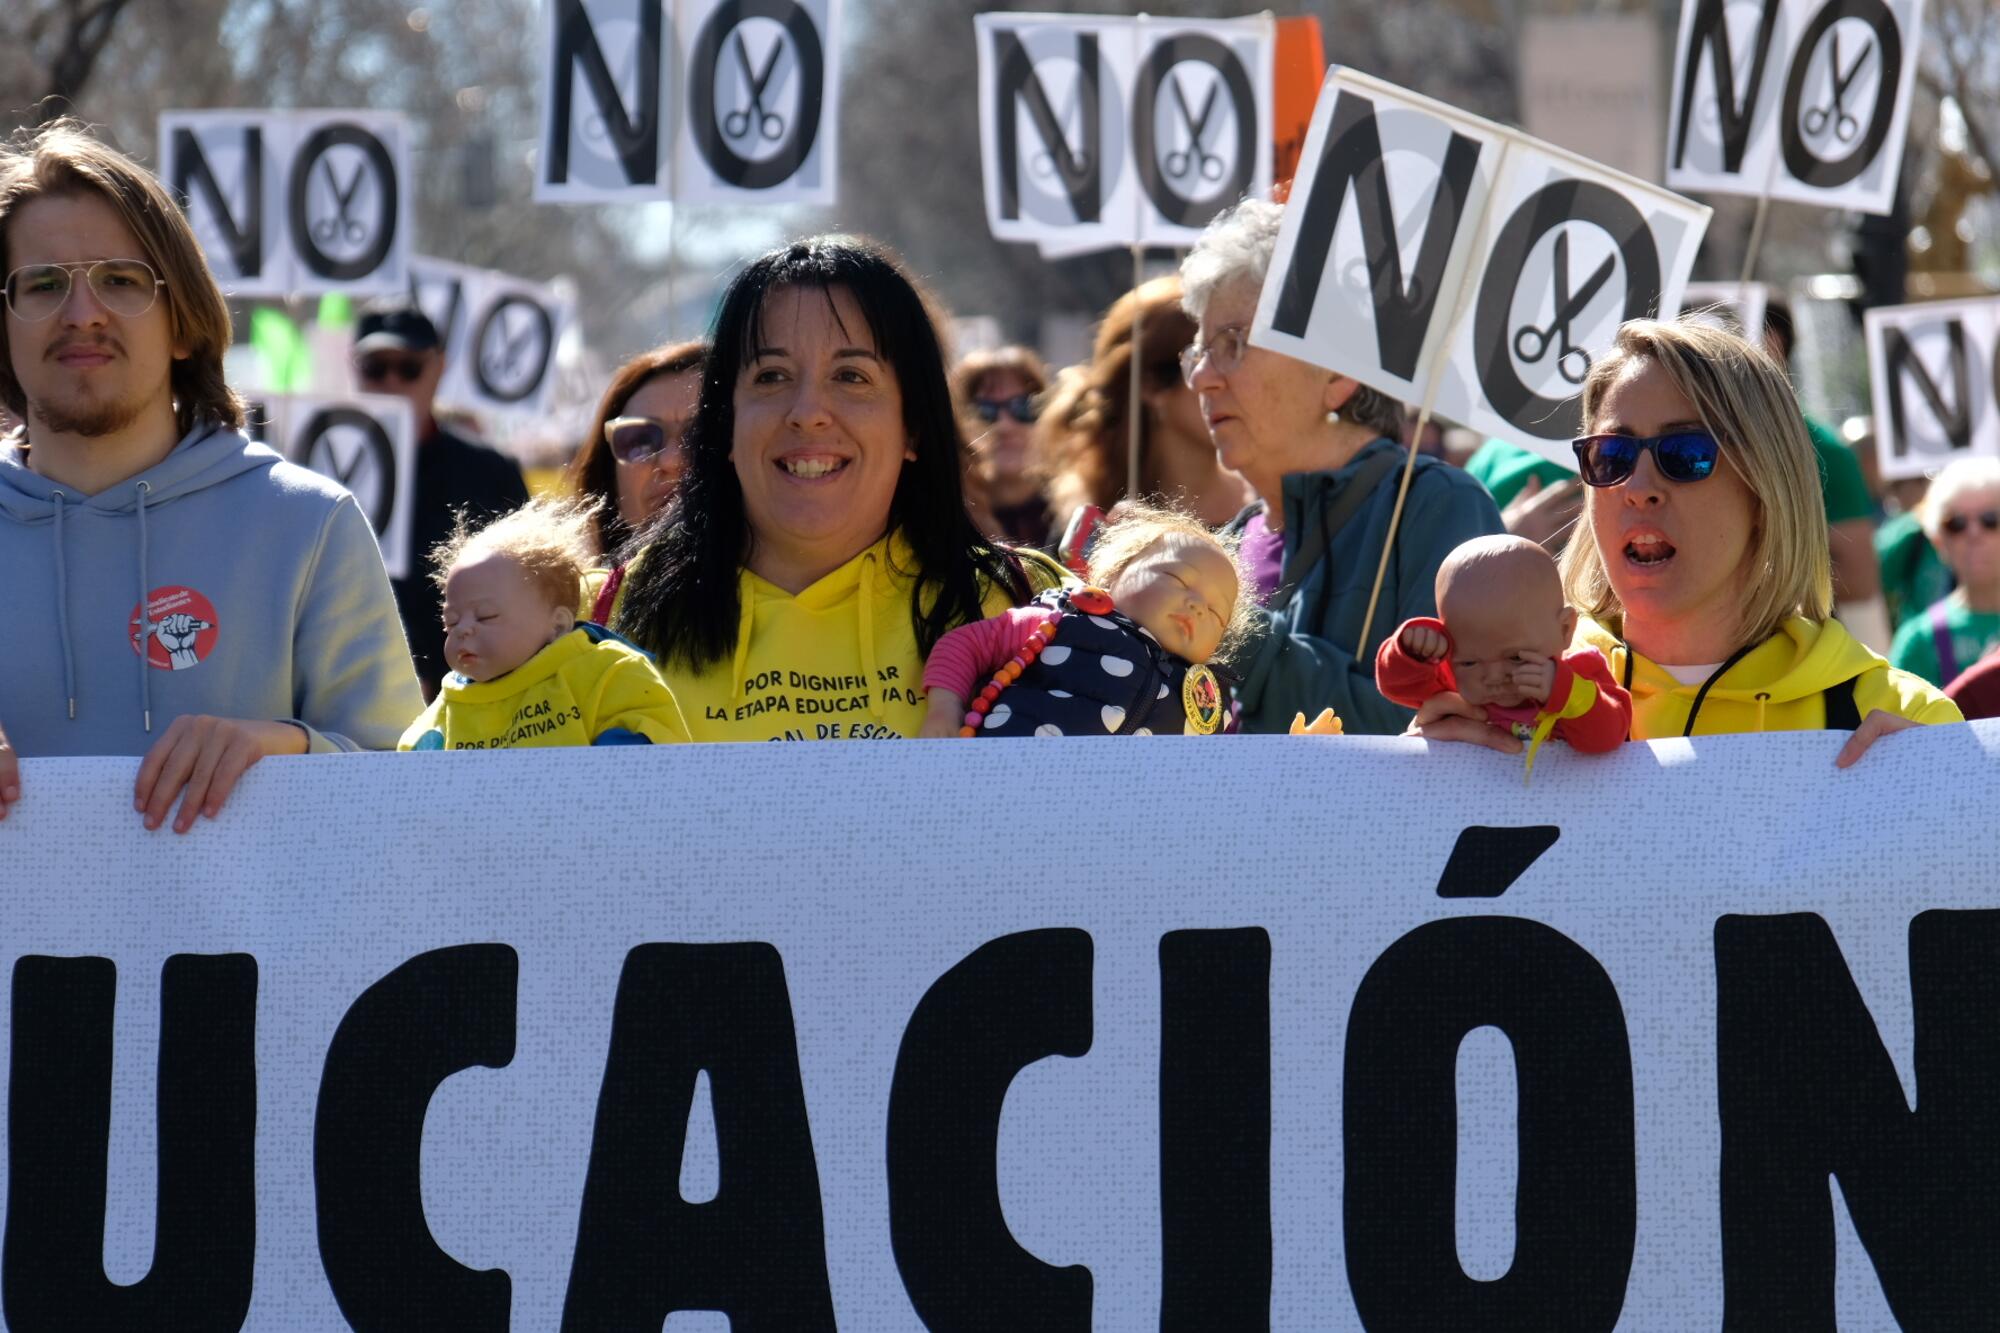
column 737, row 124
column 1834, row 115
column 328, row 230
column 1532, row 344
column 1196, row 157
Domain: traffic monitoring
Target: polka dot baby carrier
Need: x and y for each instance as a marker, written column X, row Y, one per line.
column 1103, row 675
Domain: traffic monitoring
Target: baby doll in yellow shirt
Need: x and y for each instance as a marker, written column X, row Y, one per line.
column 525, row 672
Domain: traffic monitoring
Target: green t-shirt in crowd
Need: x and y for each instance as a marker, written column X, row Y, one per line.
column 1971, row 634
column 1503, row 469
column 1841, row 482
column 1912, row 574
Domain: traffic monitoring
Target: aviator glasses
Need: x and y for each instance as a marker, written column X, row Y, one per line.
column 125, row 287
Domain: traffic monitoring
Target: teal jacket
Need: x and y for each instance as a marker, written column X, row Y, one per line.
column 1302, row 657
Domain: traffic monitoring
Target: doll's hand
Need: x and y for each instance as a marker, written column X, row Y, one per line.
column 944, row 717
column 1326, row 724
column 1535, row 679
column 1424, row 643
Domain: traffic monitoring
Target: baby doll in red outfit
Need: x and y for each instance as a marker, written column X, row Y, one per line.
column 1500, row 643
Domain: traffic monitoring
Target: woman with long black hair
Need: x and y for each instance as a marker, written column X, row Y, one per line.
column 819, row 545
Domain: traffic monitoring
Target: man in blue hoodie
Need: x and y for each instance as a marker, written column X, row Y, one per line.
column 172, row 590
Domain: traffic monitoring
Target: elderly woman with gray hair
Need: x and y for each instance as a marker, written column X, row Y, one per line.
column 1320, row 451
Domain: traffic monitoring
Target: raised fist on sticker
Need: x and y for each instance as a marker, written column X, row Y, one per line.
column 176, row 634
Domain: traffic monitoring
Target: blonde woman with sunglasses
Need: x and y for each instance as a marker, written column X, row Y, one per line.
column 1700, row 562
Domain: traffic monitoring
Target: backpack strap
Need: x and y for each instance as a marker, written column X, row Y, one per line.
column 1842, row 714
column 600, row 610
column 1333, row 518
column 1941, row 640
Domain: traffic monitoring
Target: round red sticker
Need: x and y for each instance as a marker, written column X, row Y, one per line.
column 178, row 631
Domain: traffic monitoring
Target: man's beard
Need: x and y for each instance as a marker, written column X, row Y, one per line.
column 88, row 418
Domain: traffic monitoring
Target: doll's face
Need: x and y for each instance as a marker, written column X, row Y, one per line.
column 1498, row 627
column 496, row 617
column 1183, row 589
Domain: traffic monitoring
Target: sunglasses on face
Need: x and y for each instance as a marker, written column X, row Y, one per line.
column 641, row 439
column 1959, row 524
column 377, row 369
column 1608, row 460
column 1021, row 407
column 126, row 287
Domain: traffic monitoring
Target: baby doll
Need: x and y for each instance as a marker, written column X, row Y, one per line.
column 1127, row 657
column 1499, row 643
column 524, row 671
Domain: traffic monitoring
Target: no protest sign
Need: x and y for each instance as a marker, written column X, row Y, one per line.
column 1101, row 131
column 367, row 443
column 1806, row 100
column 1447, row 259
column 1270, row 1033
column 291, row 203
column 500, row 334
column 702, row 101
column 1935, row 372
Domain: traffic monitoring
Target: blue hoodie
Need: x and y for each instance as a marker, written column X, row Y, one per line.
column 265, row 597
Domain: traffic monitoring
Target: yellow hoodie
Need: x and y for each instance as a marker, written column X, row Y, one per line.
column 1777, row 686
column 837, row 662
column 589, row 687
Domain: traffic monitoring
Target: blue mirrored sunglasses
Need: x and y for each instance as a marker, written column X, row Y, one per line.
column 1608, row 460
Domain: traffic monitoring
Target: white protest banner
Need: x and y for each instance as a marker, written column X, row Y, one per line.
column 1736, row 306
column 500, row 335
column 1935, row 372
column 1102, row 131
column 1350, row 1035
column 1412, row 222
column 1805, row 100
column 291, row 203
column 707, row 101
column 367, row 443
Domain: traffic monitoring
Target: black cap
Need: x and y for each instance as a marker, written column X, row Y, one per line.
column 394, row 323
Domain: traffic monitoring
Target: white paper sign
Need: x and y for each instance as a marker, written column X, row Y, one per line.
column 500, row 335
column 1411, row 222
column 294, row 202
column 1935, row 378
column 707, row 101
column 1736, row 306
column 1290, row 1034
column 1100, row 131
column 1804, row 100
column 367, row 443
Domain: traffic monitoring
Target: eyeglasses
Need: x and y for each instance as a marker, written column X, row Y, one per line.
column 377, row 369
column 126, row 287
column 640, row 439
column 1957, row 525
column 1224, row 351
column 1021, row 407
column 1608, row 460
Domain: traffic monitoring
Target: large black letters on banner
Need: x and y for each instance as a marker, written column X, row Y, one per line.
column 634, row 137
column 1011, row 1002
column 1806, row 1090
column 1555, row 205
column 440, row 1012
column 544, row 332
column 1734, row 118
column 1235, row 80
column 387, row 202
column 1352, row 162
column 59, row 1123
column 1899, row 360
column 1215, row 1130
column 245, row 239
column 757, row 1251
column 1806, row 165
column 381, row 449
column 801, row 131
column 1576, row 1209
column 1082, row 171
